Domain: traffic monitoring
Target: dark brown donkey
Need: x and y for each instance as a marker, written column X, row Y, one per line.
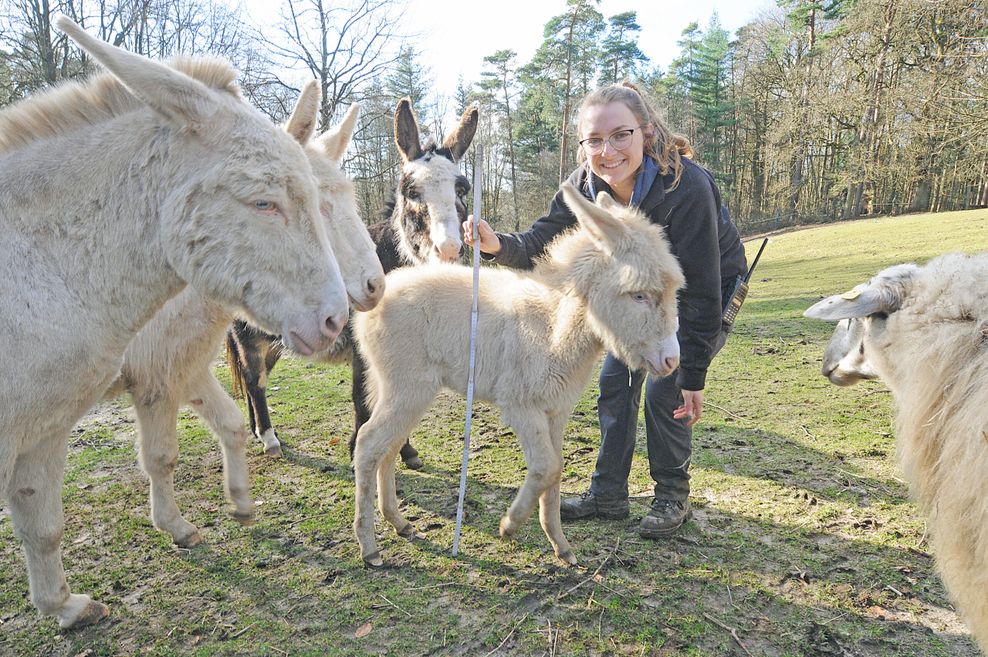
column 424, row 225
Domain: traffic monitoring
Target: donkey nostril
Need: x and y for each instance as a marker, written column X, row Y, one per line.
column 334, row 325
column 671, row 362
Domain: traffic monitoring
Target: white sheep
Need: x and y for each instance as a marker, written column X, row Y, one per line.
column 924, row 332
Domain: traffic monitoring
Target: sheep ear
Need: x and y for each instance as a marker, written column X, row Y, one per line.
column 459, row 141
column 604, row 229
column 178, row 97
column 335, row 141
column 302, row 123
column 407, row 131
column 882, row 294
column 859, row 302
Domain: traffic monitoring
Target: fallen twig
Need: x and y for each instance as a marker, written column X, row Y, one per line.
column 504, row 640
column 734, row 632
column 239, row 632
column 595, row 573
column 394, row 605
column 724, row 410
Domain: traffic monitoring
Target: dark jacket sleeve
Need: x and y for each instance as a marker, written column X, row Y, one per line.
column 692, row 234
column 519, row 250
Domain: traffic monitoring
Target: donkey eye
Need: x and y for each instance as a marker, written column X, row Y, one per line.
column 639, row 297
column 412, row 194
column 265, row 206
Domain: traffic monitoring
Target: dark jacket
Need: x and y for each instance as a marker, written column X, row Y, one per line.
column 708, row 248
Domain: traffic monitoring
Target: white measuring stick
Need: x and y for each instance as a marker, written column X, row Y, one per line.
column 477, row 180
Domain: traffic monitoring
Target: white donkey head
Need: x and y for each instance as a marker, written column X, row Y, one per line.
column 352, row 245
column 239, row 212
column 629, row 278
column 429, row 203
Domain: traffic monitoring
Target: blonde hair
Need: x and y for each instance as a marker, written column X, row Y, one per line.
column 666, row 148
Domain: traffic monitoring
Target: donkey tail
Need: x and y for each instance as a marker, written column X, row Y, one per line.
column 238, row 387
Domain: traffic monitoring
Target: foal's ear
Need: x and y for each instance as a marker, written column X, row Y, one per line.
column 302, row 123
column 335, row 142
column 407, row 131
column 882, row 294
column 460, row 140
column 605, row 229
column 180, row 98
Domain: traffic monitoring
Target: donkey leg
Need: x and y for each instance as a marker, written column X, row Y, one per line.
column 362, row 412
column 257, row 399
column 544, row 466
column 379, row 440
column 549, row 500
column 35, row 497
column 387, row 498
column 210, row 401
column 157, row 452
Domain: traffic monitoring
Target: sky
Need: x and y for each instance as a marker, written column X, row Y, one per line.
column 456, row 35
column 455, row 39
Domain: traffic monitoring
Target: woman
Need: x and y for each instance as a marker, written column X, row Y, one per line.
column 627, row 151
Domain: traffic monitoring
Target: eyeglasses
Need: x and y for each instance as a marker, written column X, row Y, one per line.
column 618, row 140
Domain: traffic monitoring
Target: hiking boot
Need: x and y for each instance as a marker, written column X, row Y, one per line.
column 664, row 518
column 587, row 505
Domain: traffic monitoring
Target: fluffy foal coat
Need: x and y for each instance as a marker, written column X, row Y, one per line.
column 105, row 218
column 610, row 284
column 924, row 332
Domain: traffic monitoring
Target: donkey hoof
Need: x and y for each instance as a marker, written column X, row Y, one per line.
column 567, row 558
column 413, row 463
column 189, row 540
column 373, row 560
column 507, row 528
column 274, row 451
column 409, row 532
column 92, row 612
column 245, row 519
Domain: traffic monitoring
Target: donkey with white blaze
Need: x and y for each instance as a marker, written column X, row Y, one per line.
column 105, row 218
column 924, row 332
column 169, row 363
column 611, row 283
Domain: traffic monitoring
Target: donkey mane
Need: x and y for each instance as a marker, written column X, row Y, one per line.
column 573, row 255
column 75, row 105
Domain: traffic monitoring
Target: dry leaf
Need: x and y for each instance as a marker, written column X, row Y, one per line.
column 363, row 630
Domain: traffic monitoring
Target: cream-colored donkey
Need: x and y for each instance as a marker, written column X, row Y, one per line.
column 105, row 217
column 610, row 284
column 169, row 363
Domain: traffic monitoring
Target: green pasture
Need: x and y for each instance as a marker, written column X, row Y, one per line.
column 804, row 542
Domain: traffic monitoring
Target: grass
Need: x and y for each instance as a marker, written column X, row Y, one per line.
column 804, row 542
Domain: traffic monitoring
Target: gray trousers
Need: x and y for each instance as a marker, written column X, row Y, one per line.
column 669, row 441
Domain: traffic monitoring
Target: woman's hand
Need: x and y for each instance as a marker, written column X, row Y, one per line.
column 489, row 241
column 692, row 407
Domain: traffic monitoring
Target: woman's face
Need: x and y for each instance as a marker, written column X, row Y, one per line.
column 615, row 166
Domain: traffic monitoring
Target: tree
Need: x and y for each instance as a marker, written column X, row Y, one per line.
column 620, row 54
column 342, row 45
column 498, row 81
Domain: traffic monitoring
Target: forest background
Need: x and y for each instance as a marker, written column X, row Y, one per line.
column 814, row 111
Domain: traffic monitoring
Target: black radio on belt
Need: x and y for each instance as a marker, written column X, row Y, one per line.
column 740, row 292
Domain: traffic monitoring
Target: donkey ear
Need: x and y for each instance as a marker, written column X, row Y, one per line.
column 459, row 141
column 335, row 141
column 882, row 294
column 181, row 99
column 407, row 131
column 302, row 123
column 605, row 229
